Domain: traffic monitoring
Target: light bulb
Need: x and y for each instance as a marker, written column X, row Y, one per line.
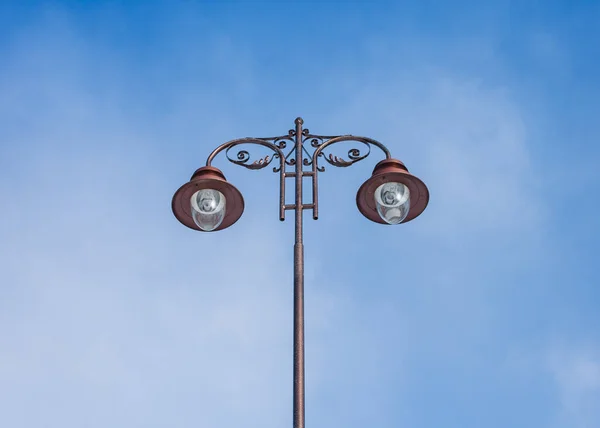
column 208, row 209
column 393, row 202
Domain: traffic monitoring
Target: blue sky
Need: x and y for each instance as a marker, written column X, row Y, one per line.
column 483, row 312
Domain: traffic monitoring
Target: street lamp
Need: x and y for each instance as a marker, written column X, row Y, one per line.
column 208, row 202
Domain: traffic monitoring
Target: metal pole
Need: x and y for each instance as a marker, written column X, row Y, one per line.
column 298, row 289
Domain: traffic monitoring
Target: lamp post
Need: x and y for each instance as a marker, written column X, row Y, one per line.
column 208, row 202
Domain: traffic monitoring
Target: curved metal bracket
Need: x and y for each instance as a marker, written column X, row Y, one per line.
column 243, row 159
column 354, row 155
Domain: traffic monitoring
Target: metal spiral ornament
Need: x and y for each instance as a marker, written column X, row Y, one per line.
column 243, row 159
column 313, row 148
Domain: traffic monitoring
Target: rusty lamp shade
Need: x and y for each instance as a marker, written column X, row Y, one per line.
column 392, row 195
column 208, row 202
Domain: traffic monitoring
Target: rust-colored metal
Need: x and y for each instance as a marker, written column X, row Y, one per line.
column 320, row 143
column 207, row 177
column 301, row 163
column 298, row 407
column 276, row 144
column 391, row 170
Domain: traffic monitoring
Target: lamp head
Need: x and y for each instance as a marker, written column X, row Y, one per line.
column 392, row 195
column 208, row 202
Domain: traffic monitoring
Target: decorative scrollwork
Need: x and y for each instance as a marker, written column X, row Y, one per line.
column 289, row 159
column 336, row 161
column 286, row 143
column 354, row 155
column 243, row 159
column 314, row 143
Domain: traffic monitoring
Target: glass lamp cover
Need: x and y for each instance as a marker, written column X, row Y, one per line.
column 393, row 202
column 208, row 209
